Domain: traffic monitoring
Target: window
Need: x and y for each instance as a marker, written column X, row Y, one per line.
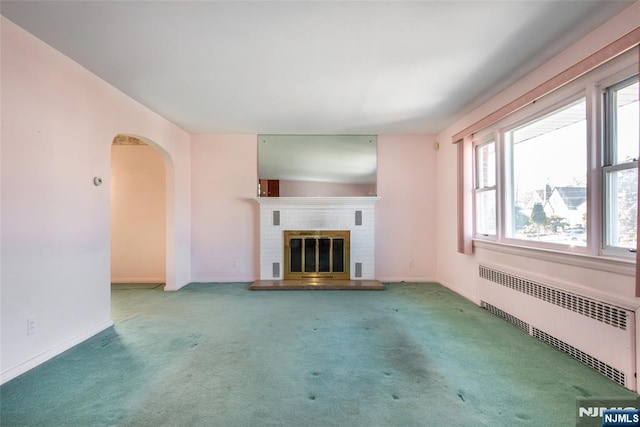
column 547, row 200
column 620, row 166
column 485, row 188
column 562, row 172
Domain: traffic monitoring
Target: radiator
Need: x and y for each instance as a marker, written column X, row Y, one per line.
column 597, row 333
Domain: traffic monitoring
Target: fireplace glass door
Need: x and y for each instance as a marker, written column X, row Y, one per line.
column 316, row 254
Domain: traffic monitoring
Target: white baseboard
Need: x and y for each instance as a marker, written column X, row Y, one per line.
column 237, row 279
column 217, row 282
column 60, row 348
column 137, row 280
column 407, row 279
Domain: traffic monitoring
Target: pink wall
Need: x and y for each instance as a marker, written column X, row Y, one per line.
column 225, row 214
column 406, row 213
column 224, row 211
column 459, row 272
column 58, row 122
column 324, row 189
column 138, row 215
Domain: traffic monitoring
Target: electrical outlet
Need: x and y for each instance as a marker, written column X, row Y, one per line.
column 31, row 326
column 235, row 263
column 410, row 262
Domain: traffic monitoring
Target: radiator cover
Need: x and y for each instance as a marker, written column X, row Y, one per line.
column 598, row 333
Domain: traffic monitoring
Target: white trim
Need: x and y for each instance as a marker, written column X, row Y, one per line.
column 620, row 167
column 612, row 79
column 138, row 280
column 602, row 263
column 550, row 246
column 631, row 304
column 620, row 252
column 20, row 369
column 594, row 171
column 588, row 86
column 316, row 201
column 611, row 165
column 224, row 282
column 234, row 279
column 397, row 279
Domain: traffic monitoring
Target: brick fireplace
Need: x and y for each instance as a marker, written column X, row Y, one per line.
column 352, row 214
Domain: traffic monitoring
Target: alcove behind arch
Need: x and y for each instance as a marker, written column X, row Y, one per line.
column 143, row 231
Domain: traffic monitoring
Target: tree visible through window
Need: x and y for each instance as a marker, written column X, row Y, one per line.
column 548, row 181
column 562, row 172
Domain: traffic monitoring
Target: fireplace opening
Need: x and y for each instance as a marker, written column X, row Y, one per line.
column 312, row 254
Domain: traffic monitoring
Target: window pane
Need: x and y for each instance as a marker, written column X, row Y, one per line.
column 622, row 186
column 486, row 212
column 486, row 165
column 549, row 176
column 627, row 123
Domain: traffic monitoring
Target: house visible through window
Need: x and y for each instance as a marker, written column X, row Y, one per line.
column 548, row 181
column 562, row 173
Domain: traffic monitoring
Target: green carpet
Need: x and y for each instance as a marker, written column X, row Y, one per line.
column 220, row 355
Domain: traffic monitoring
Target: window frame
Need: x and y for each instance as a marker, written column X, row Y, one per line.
column 553, row 105
column 609, row 164
column 479, row 143
column 589, row 86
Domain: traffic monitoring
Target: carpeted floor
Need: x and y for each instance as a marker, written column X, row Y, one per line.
column 220, row 355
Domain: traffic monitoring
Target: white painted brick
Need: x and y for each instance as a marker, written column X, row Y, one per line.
column 317, row 213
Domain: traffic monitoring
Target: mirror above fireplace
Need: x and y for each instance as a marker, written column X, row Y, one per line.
column 318, row 165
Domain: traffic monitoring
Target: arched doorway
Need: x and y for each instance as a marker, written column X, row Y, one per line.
column 141, row 200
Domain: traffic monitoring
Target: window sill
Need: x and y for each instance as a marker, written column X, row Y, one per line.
column 622, row 266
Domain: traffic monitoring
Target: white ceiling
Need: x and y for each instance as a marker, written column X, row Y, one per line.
column 310, row 67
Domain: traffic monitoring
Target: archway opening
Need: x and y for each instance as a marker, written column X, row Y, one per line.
column 139, row 226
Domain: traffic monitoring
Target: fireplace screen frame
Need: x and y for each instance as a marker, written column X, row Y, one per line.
column 305, row 236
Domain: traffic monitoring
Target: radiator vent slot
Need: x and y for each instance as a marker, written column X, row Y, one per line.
column 606, row 370
column 578, row 325
column 506, row 316
column 596, row 310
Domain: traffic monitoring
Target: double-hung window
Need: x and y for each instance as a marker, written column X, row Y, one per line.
column 620, row 166
column 562, row 172
column 485, row 188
